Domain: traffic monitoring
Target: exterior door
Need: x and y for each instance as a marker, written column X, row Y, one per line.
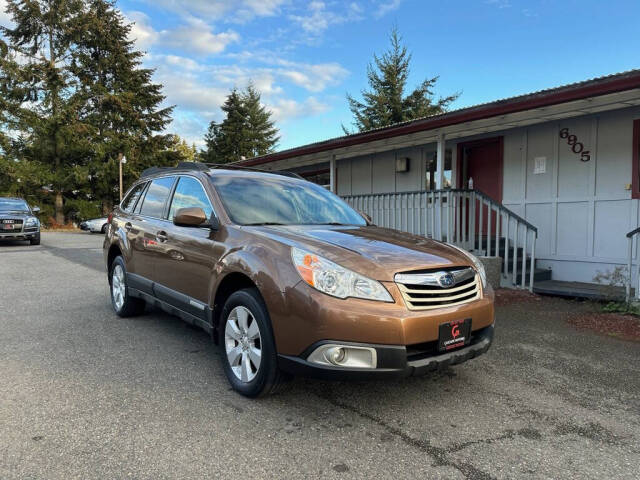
column 189, row 254
column 482, row 162
column 149, row 226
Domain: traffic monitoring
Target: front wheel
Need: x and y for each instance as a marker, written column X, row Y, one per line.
column 35, row 240
column 123, row 304
column 249, row 355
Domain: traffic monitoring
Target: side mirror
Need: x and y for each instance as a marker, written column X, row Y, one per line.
column 35, row 209
column 366, row 217
column 190, row 217
column 195, row 217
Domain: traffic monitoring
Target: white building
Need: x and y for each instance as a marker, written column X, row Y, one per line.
column 563, row 159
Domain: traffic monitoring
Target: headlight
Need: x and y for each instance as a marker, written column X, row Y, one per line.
column 477, row 264
column 31, row 222
column 335, row 280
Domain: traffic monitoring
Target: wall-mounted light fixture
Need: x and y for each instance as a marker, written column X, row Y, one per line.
column 402, row 164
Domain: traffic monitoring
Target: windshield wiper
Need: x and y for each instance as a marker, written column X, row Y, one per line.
column 258, row 224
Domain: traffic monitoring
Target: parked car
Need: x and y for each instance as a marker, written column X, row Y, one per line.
column 289, row 279
column 18, row 220
column 96, row 225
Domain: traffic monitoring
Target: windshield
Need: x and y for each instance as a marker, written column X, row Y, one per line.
column 281, row 201
column 10, row 205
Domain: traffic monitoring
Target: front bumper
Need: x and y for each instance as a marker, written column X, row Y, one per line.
column 19, row 235
column 393, row 360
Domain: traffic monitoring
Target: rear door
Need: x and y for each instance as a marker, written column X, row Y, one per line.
column 187, row 267
column 151, row 229
column 130, row 224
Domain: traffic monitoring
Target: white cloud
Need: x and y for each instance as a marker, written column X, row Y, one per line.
column 237, row 10
column 499, row 3
column 193, row 36
column 141, row 30
column 314, row 77
column 5, row 18
column 385, row 7
column 287, row 109
column 319, row 18
column 197, row 36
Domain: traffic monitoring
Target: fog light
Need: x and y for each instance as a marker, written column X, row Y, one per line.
column 350, row 356
column 335, row 355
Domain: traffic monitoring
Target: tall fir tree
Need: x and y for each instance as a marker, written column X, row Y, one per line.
column 263, row 134
column 246, row 131
column 74, row 90
column 37, row 88
column 386, row 103
column 122, row 103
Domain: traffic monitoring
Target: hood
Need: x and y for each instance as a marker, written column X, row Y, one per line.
column 15, row 215
column 376, row 252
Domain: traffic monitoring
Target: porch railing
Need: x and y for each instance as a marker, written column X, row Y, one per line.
column 630, row 236
column 466, row 218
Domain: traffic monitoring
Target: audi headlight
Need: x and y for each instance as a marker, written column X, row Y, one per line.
column 477, row 264
column 335, row 280
column 31, row 222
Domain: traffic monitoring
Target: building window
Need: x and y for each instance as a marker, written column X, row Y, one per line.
column 432, row 164
column 635, row 169
column 320, row 177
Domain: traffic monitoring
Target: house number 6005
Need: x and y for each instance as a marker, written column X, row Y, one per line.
column 576, row 146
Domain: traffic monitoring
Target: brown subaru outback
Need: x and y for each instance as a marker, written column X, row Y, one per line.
column 289, row 279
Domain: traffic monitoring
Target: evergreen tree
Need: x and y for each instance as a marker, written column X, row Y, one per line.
column 386, row 103
column 122, row 105
column 246, row 131
column 72, row 87
column 262, row 132
column 36, row 85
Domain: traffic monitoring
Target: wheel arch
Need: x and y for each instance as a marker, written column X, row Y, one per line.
column 114, row 251
column 230, row 283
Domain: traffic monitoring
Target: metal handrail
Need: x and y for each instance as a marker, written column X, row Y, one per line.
column 459, row 216
column 630, row 236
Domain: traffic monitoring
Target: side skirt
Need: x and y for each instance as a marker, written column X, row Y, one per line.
column 172, row 310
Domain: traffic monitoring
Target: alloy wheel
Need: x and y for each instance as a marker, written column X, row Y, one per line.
column 243, row 344
column 118, row 286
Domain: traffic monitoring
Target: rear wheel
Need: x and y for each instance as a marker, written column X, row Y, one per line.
column 123, row 304
column 104, row 228
column 249, row 355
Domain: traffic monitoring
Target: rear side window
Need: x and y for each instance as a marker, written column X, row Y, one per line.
column 189, row 193
column 130, row 200
column 156, row 197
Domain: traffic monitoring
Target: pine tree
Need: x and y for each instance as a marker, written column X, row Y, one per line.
column 246, row 131
column 122, row 104
column 386, row 103
column 72, row 87
column 263, row 134
column 36, row 85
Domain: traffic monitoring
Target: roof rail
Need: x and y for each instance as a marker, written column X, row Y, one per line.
column 203, row 167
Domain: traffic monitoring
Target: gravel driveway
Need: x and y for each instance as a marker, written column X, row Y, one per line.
column 85, row 394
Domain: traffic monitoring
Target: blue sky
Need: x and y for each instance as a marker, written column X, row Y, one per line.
column 305, row 55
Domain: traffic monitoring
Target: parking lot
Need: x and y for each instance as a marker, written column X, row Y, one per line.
column 85, row 394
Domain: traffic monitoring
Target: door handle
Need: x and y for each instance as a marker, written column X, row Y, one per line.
column 161, row 236
column 128, row 226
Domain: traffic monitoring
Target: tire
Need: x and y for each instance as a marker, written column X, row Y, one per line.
column 103, row 230
column 239, row 345
column 123, row 304
column 35, row 240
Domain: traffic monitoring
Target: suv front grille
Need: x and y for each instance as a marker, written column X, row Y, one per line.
column 426, row 290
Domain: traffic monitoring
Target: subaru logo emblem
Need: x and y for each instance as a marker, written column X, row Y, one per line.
column 446, row 280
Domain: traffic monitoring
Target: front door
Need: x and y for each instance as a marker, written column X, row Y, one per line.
column 481, row 166
column 185, row 271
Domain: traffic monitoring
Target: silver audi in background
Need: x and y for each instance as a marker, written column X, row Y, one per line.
column 95, row 225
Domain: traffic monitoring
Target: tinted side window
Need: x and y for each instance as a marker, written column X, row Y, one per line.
column 156, row 197
column 189, row 193
column 130, row 200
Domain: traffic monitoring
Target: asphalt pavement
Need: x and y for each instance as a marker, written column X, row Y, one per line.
column 85, row 394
